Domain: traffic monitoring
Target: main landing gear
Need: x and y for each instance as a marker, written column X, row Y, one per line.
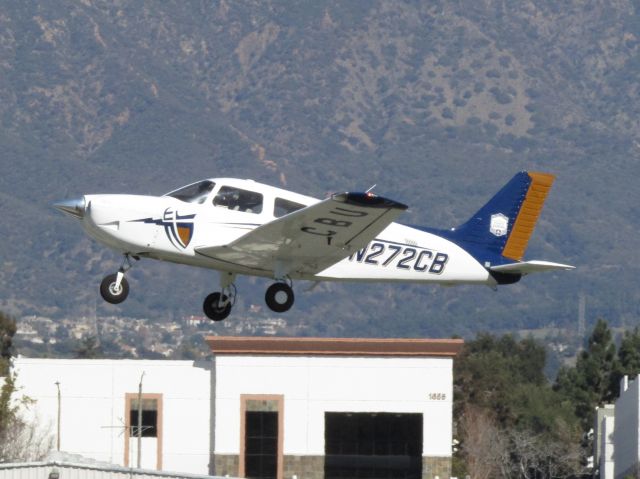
column 279, row 297
column 114, row 288
column 217, row 306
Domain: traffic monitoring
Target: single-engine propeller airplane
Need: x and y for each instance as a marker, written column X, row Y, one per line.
column 243, row 227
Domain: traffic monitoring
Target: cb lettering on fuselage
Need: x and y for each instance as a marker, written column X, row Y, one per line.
column 387, row 254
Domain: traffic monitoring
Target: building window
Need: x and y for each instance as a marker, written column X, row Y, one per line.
column 151, row 431
column 359, row 445
column 261, row 444
column 149, row 418
column 261, row 436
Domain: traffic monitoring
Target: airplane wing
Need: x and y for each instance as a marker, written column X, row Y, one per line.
column 313, row 238
column 527, row 267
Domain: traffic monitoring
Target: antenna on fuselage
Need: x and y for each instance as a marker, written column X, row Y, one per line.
column 371, row 188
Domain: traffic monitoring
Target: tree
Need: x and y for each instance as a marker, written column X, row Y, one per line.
column 7, row 331
column 511, row 422
column 628, row 358
column 89, row 348
column 484, row 445
column 7, row 410
column 20, row 439
column 592, row 381
column 490, row 371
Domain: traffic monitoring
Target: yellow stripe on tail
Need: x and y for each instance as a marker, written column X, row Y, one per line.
column 526, row 220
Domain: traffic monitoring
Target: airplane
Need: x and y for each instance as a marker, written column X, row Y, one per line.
column 242, row 227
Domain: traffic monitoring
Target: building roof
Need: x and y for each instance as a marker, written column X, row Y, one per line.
column 74, row 465
column 281, row 346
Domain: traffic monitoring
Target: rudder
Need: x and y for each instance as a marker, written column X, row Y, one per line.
column 528, row 215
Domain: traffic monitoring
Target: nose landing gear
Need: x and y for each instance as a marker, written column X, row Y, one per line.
column 114, row 288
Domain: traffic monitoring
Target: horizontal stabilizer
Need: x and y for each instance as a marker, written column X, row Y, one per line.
column 528, row 267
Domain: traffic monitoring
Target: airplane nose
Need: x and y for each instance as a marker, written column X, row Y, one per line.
column 72, row 207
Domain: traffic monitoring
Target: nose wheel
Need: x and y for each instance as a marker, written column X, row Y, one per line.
column 114, row 288
column 114, row 291
column 279, row 297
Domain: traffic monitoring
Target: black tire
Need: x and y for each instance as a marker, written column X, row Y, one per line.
column 274, row 299
column 108, row 291
column 211, row 309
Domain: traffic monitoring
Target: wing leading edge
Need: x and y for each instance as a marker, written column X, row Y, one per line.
column 313, row 238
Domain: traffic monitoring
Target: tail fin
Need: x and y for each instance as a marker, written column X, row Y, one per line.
column 504, row 225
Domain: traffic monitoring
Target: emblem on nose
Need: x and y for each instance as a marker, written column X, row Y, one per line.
column 177, row 227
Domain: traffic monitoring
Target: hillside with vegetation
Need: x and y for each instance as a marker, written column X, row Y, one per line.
column 438, row 103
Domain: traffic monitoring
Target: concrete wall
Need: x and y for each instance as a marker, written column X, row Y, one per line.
column 627, row 428
column 312, row 386
column 606, row 463
column 93, row 407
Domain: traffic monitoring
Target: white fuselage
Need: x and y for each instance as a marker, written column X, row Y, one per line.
column 169, row 229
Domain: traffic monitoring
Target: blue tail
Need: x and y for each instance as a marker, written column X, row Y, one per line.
column 499, row 232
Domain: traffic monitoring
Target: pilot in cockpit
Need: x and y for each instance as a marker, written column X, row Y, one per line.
column 228, row 198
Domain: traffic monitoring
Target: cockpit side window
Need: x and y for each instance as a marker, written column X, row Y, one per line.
column 284, row 207
column 193, row 193
column 238, row 200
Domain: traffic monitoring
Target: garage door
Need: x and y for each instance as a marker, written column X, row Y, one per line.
column 373, row 445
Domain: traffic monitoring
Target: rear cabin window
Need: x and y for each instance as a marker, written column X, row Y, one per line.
column 237, row 199
column 284, row 207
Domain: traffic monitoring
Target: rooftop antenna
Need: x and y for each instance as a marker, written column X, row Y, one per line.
column 57, row 383
column 371, row 188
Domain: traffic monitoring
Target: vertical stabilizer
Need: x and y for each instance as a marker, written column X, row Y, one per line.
column 504, row 225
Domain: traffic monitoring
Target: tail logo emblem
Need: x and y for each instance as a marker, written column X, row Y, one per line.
column 499, row 225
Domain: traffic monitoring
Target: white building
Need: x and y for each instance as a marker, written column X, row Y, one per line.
column 626, row 435
column 263, row 407
column 603, row 441
column 98, row 408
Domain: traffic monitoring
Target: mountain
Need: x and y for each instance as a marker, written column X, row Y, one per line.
column 438, row 103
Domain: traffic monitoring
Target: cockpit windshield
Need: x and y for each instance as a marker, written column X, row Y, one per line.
column 193, row 193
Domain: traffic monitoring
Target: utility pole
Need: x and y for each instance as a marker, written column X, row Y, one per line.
column 57, row 383
column 140, row 420
column 582, row 308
